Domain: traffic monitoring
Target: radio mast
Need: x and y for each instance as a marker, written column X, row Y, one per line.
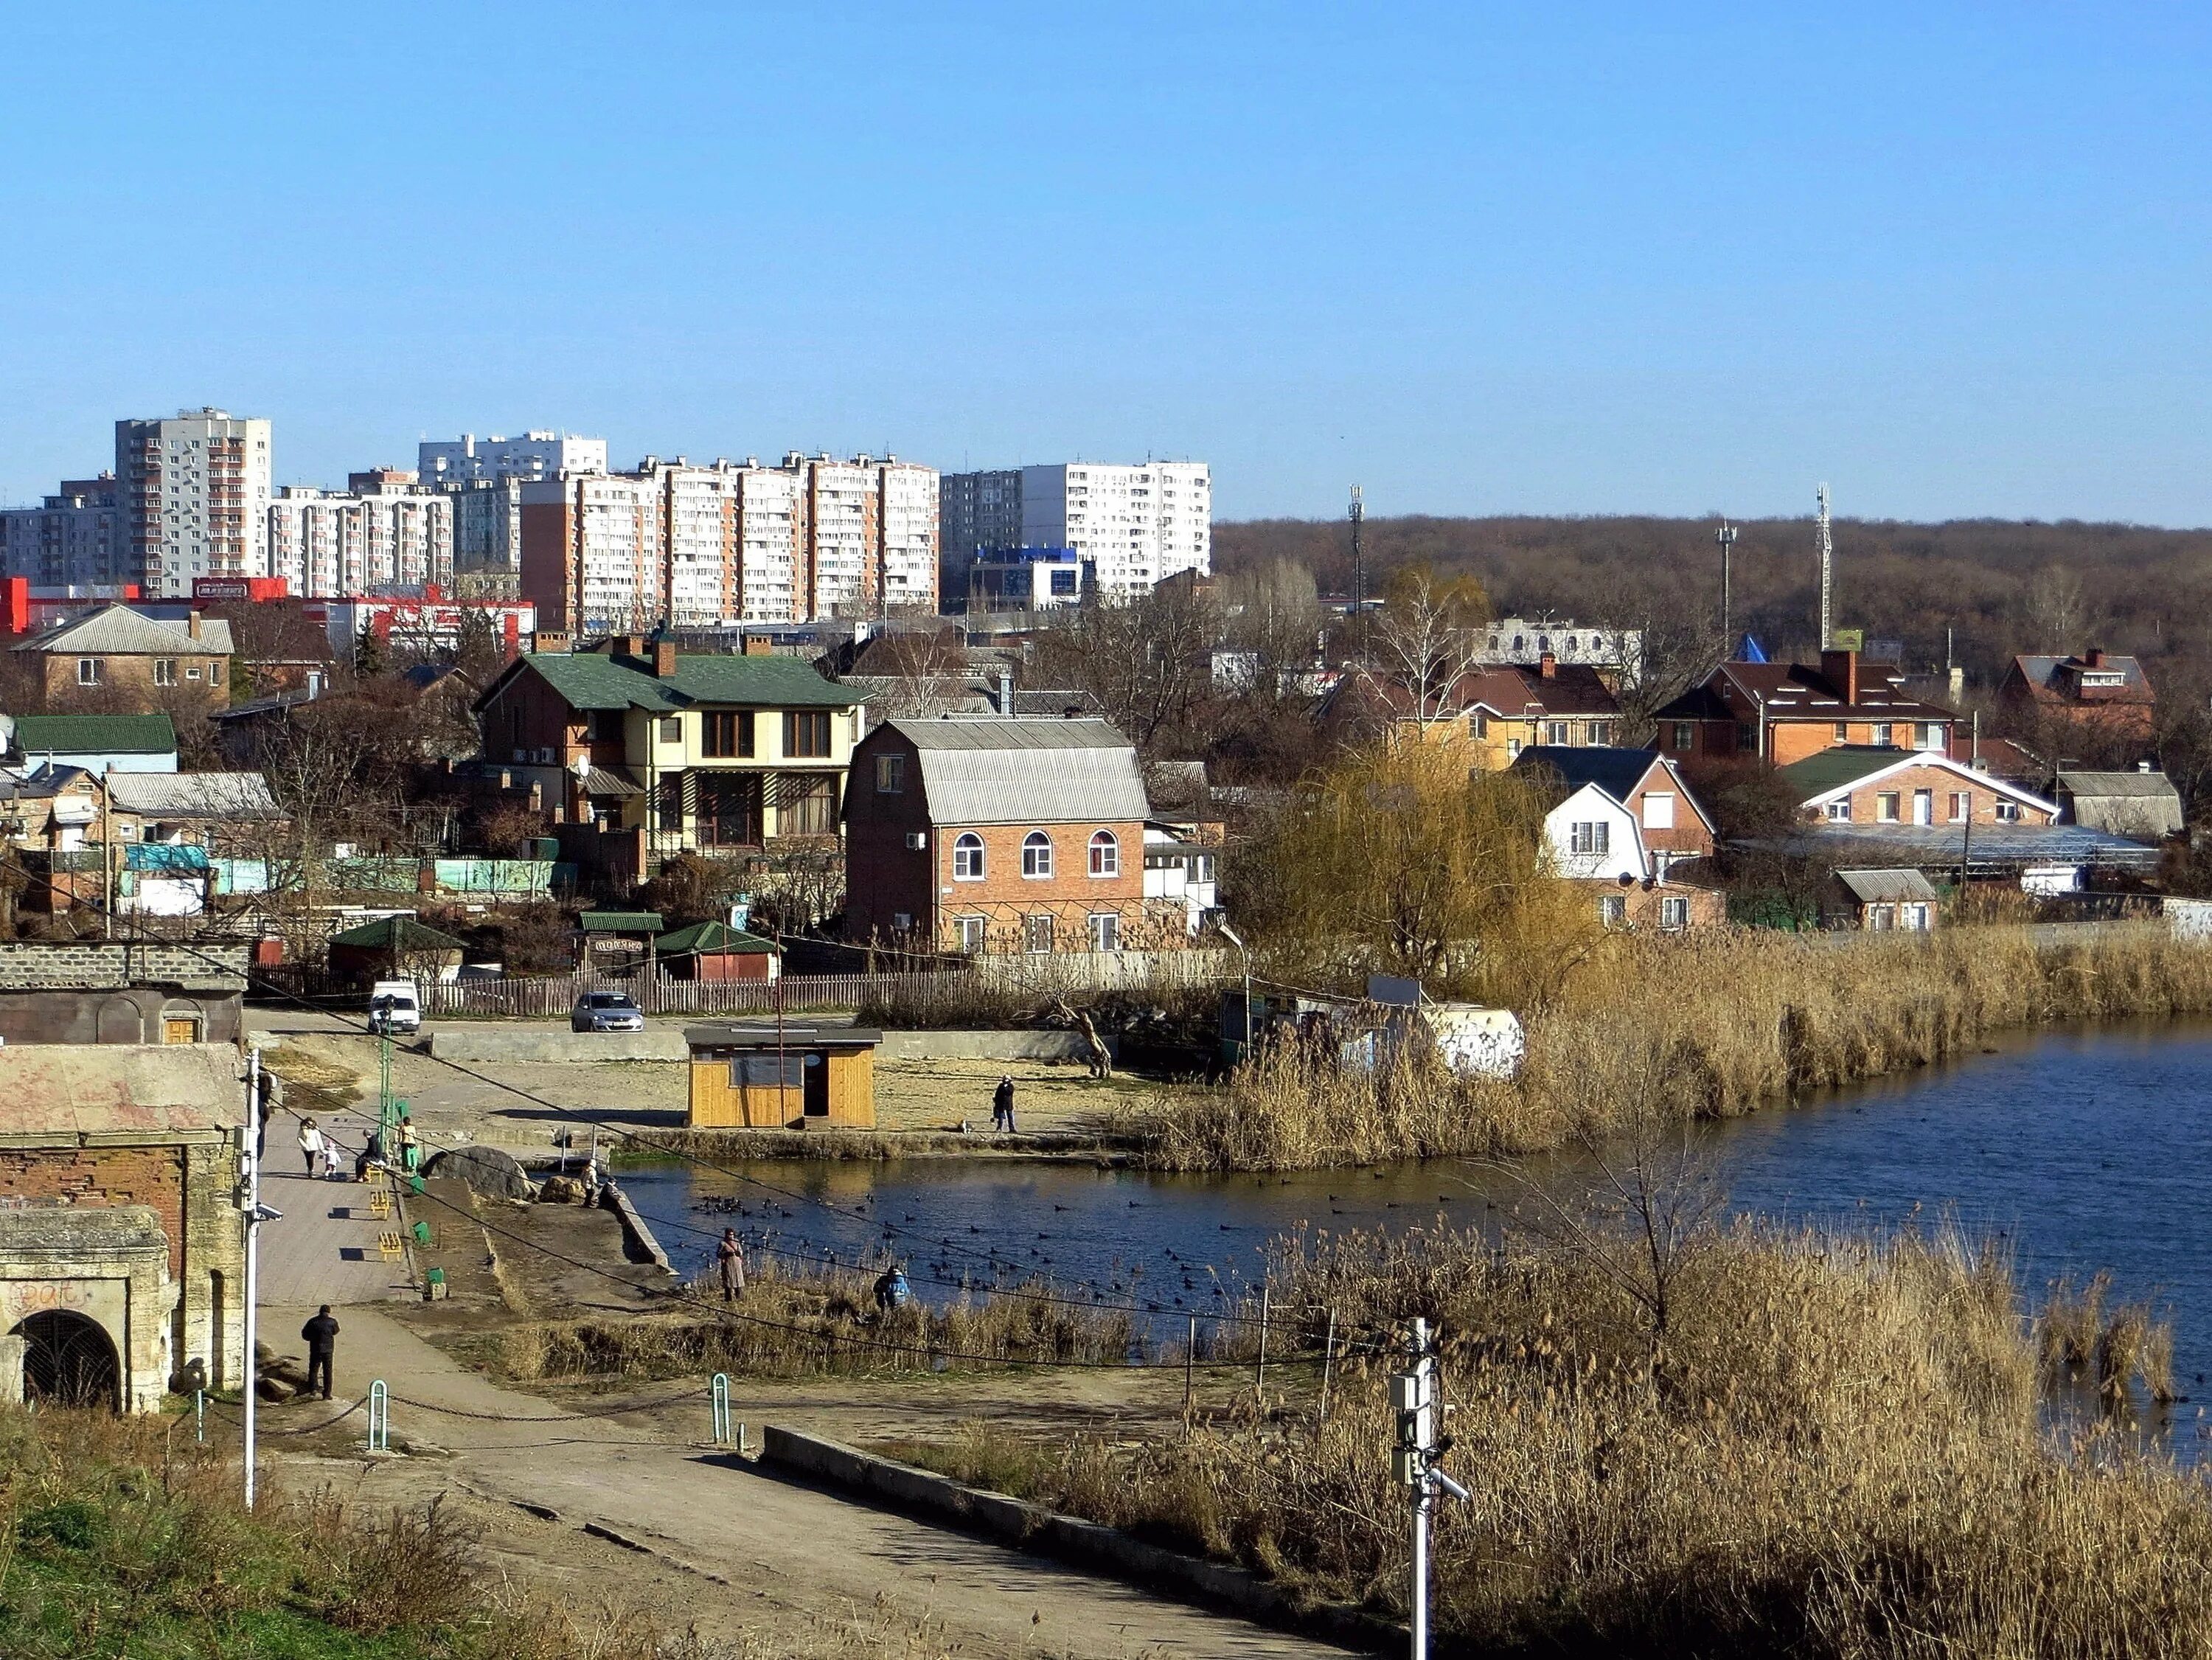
column 1827, row 575
column 1358, row 572
column 1726, row 537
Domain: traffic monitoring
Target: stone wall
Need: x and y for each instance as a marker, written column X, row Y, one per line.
column 41, row 965
column 105, row 1265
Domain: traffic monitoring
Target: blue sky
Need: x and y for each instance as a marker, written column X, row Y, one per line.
column 1953, row 259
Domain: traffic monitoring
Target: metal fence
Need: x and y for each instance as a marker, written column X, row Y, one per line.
column 553, row 995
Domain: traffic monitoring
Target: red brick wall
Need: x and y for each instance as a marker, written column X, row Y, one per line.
column 1866, row 806
column 103, row 1176
column 547, row 580
column 1689, row 836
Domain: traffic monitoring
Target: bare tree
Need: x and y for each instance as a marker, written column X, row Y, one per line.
column 927, row 674
column 2057, row 609
column 1148, row 663
column 1428, row 634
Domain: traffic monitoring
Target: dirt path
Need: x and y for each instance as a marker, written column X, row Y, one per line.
column 745, row 1541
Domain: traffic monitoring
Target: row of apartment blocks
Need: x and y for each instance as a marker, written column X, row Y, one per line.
column 1133, row 527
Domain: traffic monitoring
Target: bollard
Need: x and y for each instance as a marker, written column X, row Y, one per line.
column 717, row 1393
column 379, row 1417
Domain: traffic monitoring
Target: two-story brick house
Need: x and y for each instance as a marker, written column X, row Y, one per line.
column 1497, row 712
column 984, row 836
column 669, row 751
column 2100, row 698
column 1861, row 786
column 1783, row 712
column 118, row 656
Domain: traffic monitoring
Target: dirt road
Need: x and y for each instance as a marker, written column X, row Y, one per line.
column 748, row 1549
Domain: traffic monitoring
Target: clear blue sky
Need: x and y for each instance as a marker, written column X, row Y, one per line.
column 1553, row 258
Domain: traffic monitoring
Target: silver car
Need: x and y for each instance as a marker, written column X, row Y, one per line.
column 606, row 1010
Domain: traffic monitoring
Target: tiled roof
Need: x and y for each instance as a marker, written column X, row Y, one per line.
column 1700, row 702
column 124, row 632
column 1570, row 688
column 95, row 734
column 2053, row 679
column 593, row 680
column 1799, row 691
column 1026, row 771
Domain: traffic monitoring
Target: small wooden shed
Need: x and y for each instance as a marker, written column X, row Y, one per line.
column 395, row 948
column 749, row 1077
column 715, row 951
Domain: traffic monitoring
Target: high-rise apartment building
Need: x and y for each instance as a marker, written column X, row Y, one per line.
column 72, row 538
column 194, row 494
column 1135, row 524
column 333, row 544
column 703, row 546
column 472, row 460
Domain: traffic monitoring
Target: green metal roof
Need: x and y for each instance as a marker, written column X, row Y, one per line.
column 592, row 680
column 708, row 939
column 397, row 933
column 1846, row 763
column 95, row 734
column 620, row 922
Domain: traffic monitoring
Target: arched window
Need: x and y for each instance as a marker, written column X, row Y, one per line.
column 1105, row 854
column 1520, row 642
column 1037, row 854
column 968, row 857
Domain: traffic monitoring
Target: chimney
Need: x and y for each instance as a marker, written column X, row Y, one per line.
column 1840, row 669
column 2095, row 659
column 1548, row 667
column 192, row 624
column 664, row 658
column 1007, row 694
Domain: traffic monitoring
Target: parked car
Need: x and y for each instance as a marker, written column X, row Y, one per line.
column 395, row 1006
column 606, row 1010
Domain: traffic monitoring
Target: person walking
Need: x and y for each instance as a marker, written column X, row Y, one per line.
column 1002, row 1105
column 313, row 1147
column 730, row 1255
column 321, row 1337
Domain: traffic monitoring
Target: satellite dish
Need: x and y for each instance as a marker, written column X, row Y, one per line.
column 581, row 766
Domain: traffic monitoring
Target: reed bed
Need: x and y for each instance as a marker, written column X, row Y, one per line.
column 1833, row 1450
column 1703, row 1025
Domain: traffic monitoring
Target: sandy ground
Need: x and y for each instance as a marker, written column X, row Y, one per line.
column 525, row 1104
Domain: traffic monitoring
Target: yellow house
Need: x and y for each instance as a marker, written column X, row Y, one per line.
column 1497, row 713
column 782, row 1078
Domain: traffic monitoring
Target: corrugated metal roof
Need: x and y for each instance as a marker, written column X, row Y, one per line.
column 52, row 1090
column 193, row 795
column 601, row 781
column 122, row 630
column 1026, row 772
column 95, row 734
column 1994, row 847
column 1888, row 887
column 2140, row 785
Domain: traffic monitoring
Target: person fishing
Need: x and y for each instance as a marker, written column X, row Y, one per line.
column 892, row 1291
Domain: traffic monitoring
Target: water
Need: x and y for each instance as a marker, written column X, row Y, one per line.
column 2084, row 1151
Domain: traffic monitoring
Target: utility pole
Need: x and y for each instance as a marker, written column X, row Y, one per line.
column 1415, row 1463
column 255, row 1214
column 1726, row 537
column 1827, row 574
column 1358, row 512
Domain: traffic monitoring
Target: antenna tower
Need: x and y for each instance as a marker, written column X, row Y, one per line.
column 1827, row 575
column 1358, row 511
column 1726, row 537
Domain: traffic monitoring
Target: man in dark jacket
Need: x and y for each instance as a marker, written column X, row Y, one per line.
column 321, row 1337
column 1002, row 1105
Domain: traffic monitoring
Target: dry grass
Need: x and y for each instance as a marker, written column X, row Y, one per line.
column 1718, row 1023
column 1834, row 1453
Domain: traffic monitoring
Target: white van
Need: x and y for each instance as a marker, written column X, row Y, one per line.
column 395, row 1006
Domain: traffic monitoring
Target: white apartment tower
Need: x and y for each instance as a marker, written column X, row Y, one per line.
column 194, row 494
column 1137, row 524
column 333, row 545
column 472, row 460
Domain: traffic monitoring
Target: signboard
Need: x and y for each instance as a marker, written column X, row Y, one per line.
column 1848, row 639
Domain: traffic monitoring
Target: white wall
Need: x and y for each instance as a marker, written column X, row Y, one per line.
column 1624, row 853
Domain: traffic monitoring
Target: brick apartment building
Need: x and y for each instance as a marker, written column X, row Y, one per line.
column 983, row 835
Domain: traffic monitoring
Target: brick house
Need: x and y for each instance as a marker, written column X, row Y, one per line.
column 1496, row 712
column 1784, row 712
column 1860, row 785
column 118, row 654
column 122, row 1247
column 1627, row 823
column 729, row 753
column 984, row 836
column 2098, row 696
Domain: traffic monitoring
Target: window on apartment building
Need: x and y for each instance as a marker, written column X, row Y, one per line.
column 165, row 671
column 727, row 734
column 1842, row 731
column 1555, row 731
column 1882, row 734
column 1036, row 936
column 806, row 804
column 1611, row 909
column 1840, row 812
column 1962, row 803
column 1686, row 737
column 891, row 774
column 968, row 931
column 1105, row 931
column 1658, row 810
column 2008, row 812
column 90, row 670
column 1674, row 911
column 1105, row 854
column 1037, row 854
column 807, row 733
column 968, row 857
column 668, row 803
column 1593, row 839
column 1885, row 804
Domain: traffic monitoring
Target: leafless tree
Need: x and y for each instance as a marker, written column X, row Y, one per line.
column 1148, row 663
column 1274, row 614
column 1428, row 634
column 2057, row 609
column 927, row 674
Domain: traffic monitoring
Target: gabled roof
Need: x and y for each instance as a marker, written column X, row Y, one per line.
column 1700, row 702
column 1799, row 692
column 1888, row 887
column 1832, row 770
column 1617, row 772
column 1517, row 693
column 397, row 933
column 2138, row 785
column 95, row 734
column 1016, row 772
column 594, row 680
column 710, row 939
column 126, row 633
column 235, row 795
column 2057, row 679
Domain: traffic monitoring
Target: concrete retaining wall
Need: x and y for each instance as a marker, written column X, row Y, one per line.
column 1032, row 1527
column 989, row 1046
column 524, row 1044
